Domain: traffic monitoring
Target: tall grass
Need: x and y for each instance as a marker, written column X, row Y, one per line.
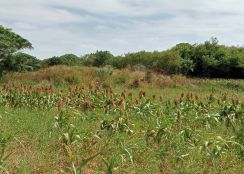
column 84, row 75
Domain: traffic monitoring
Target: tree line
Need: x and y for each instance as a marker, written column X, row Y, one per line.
column 209, row 59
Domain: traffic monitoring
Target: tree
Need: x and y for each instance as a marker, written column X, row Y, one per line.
column 22, row 62
column 185, row 51
column 100, row 58
column 10, row 43
column 169, row 62
column 66, row 59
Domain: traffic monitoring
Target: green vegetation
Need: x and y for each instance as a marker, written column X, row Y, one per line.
column 208, row 59
column 109, row 114
column 99, row 124
column 67, row 59
column 20, row 62
column 10, row 44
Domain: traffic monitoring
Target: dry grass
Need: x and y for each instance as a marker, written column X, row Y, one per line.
column 56, row 74
column 86, row 75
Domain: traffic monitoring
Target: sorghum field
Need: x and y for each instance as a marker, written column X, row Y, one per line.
column 90, row 120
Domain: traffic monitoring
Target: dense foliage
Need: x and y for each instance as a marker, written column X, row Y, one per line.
column 100, row 58
column 10, row 44
column 22, row 62
column 208, row 59
column 67, row 59
column 211, row 60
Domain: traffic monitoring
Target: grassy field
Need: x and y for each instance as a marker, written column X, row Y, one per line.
column 89, row 120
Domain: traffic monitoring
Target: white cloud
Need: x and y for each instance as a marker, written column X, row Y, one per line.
column 56, row 27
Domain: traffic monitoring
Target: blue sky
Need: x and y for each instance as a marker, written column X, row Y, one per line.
column 56, row 27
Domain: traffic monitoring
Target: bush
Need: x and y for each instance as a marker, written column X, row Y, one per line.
column 20, row 62
column 169, row 63
column 148, row 76
column 99, row 59
column 104, row 73
column 67, row 59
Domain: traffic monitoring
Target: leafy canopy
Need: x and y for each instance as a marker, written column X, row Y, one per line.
column 11, row 42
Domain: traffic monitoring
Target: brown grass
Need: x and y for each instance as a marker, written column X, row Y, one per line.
column 56, row 74
column 86, row 75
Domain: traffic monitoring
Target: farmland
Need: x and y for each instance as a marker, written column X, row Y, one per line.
column 99, row 120
column 121, row 87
